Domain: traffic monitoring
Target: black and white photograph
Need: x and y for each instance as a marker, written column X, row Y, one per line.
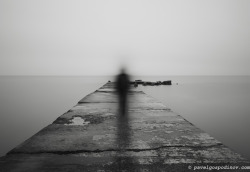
column 124, row 85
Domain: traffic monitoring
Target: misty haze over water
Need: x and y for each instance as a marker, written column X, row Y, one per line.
column 218, row 105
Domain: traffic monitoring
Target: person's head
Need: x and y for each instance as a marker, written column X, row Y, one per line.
column 123, row 70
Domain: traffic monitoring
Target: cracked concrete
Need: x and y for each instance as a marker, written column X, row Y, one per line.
column 88, row 137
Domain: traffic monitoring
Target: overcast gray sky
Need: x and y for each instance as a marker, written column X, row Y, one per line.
column 152, row 37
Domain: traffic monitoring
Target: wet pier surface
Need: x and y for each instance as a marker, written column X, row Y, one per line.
column 93, row 137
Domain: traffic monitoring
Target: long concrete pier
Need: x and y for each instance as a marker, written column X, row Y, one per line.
column 89, row 137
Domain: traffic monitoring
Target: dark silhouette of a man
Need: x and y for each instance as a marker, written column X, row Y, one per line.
column 122, row 86
column 123, row 128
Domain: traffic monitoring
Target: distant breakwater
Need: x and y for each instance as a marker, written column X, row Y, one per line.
column 147, row 83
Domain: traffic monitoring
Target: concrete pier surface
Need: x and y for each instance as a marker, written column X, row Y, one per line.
column 92, row 136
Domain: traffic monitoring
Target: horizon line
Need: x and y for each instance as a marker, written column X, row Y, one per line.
column 108, row 75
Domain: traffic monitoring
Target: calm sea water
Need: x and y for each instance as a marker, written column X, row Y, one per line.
column 219, row 105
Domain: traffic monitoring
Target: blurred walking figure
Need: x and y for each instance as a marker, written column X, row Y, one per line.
column 122, row 86
column 123, row 160
column 123, row 131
